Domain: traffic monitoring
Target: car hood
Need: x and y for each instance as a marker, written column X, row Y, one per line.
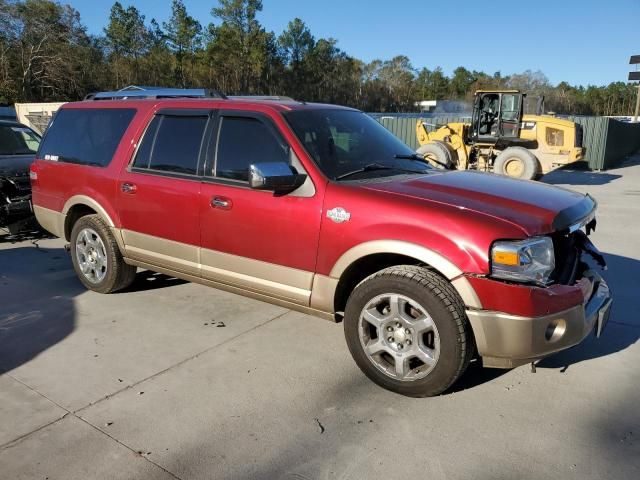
column 534, row 207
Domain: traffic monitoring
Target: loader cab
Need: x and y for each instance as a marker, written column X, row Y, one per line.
column 496, row 115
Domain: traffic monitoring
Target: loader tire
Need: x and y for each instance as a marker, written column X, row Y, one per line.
column 439, row 155
column 517, row 162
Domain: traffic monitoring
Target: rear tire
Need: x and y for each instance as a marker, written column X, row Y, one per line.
column 96, row 257
column 517, row 162
column 439, row 155
column 407, row 330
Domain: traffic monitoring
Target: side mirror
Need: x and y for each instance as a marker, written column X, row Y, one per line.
column 279, row 177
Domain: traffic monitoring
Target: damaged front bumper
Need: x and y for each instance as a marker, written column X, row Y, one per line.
column 507, row 341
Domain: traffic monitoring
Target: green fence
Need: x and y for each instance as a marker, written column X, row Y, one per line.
column 623, row 139
column 606, row 140
column 594, row 139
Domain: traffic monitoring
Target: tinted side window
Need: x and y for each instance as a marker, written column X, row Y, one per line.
column 243, row 141
column 87, row 137
column 172, row 144
column 18, row 140
column 146, row 146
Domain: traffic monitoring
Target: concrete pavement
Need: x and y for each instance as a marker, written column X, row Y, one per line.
column 177, row 380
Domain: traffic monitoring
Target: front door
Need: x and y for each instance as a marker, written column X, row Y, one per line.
column 158, row 193
column 510, row 115
column 254, row 239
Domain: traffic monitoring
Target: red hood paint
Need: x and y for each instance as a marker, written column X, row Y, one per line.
column 531, row 206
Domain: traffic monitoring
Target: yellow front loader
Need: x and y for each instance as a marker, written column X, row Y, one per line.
column 501, row 139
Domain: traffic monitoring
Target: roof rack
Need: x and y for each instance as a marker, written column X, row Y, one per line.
column 136, row 92
column 277, row 98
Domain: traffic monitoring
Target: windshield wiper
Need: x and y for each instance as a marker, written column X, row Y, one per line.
column 373, row 167
column 367, row 168
column 412, row 156
column 415, row 156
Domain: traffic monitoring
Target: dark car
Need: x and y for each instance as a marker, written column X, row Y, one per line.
column 18, row 147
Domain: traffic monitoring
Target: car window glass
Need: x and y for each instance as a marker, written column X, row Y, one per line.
column 85, row 136
column 345, row 141
column 144, row 151
column 18, row 140
column 510, row 107
column 243, row 141
column 31, row 140
column 172, row 144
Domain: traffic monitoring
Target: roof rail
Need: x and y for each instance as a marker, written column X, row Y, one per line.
column 135, row 92
column 277, row 98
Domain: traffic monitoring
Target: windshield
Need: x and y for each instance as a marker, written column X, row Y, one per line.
column 350, row 145
column 18, row 140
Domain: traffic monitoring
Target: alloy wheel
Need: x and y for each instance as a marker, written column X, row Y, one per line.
column 91, row 255
column 399, row 337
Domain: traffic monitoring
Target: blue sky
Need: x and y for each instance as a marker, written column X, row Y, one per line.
column 583, row 42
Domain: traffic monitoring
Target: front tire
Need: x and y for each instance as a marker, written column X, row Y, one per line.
column 96, row 257
column 517, row 162
column 407, row 330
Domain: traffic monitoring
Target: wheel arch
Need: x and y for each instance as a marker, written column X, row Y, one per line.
column 79, row 206
column 367, row 258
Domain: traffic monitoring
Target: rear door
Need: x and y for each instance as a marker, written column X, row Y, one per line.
column 158, row 192
column 254, row 239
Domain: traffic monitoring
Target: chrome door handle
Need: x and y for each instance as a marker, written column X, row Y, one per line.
column 129, row 187
column 221, row 202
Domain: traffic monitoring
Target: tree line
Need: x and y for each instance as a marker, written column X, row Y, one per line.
column 46, row 54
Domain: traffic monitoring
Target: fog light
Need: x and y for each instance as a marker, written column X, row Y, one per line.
column 555, row 330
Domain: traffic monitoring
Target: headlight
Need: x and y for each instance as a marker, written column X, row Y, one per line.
column 530, row 260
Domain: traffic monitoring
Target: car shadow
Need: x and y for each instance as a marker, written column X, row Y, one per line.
column 578, row 174
column 148, row 280
column 31, row 234
column 474, row 376
column 623, row 329
column 37, row 291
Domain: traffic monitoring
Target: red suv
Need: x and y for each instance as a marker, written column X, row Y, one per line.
column 320, row 209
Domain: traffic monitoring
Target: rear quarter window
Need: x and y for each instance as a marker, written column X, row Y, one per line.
column 85, row 136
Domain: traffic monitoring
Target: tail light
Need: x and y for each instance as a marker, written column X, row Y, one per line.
column 33, row 174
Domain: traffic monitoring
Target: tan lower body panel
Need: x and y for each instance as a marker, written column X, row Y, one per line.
column 323, row 292
column 176, row 256
column 258, row 295
column 506, row 341
column 53, row 222
column 279, row 281
column 50, row 220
